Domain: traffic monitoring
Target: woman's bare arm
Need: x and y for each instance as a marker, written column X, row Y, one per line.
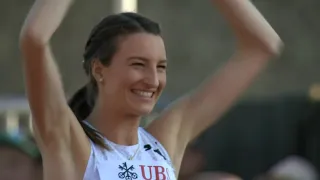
column 257, row 42
column 56, row 127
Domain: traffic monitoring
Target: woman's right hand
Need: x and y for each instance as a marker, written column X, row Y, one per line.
column 44, row 19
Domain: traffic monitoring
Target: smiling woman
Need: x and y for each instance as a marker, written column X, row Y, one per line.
column 133, row 75
column 97, row 135
column 137, row 74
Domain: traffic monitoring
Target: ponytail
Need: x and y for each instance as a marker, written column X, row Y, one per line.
column 81, row 104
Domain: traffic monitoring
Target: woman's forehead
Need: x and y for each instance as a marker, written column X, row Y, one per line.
column 143, row 45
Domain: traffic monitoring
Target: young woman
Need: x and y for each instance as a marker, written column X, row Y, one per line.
column 98, row 135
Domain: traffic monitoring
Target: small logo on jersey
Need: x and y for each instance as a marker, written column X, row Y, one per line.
column 127, row 172
column 158, row 152
column 148, row 147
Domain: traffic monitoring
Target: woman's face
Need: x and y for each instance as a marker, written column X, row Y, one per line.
column 137, row 74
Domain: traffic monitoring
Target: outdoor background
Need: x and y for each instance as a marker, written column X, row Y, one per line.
column 277, row 117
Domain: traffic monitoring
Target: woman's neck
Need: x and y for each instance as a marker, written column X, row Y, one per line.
column 117, row 127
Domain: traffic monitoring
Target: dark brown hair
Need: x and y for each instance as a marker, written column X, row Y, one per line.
column 102, row 45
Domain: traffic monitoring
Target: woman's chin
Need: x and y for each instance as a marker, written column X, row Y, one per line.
column 142, row 110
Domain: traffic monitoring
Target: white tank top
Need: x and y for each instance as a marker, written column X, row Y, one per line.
column 150, row 161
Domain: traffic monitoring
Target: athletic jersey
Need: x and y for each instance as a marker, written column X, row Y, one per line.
column 147, row 160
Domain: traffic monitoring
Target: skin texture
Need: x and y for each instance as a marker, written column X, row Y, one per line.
column 139, row 65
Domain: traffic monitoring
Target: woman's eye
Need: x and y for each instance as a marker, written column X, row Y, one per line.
column 162, row 66
column 137, row 64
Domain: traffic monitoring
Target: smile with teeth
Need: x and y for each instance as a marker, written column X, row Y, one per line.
column 146, row 94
